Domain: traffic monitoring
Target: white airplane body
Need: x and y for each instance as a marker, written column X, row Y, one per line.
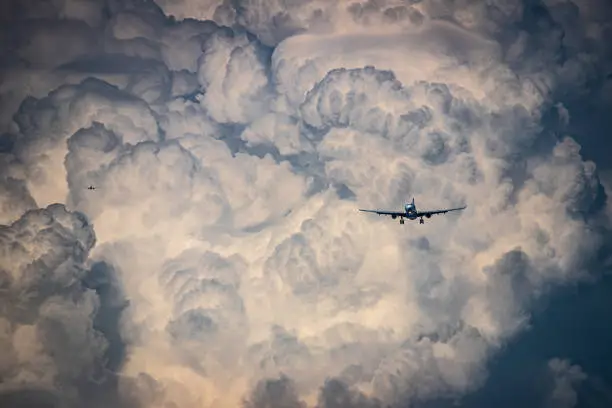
column 410, row 212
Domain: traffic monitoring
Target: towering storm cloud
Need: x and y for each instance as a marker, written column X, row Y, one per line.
column 48, row 334
column 220, row 260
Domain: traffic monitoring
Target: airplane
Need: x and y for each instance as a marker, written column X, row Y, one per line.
column 411, row 212
column 91, row 188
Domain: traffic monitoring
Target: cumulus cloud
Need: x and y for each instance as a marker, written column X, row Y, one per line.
column 45, row 125
column 229, row 157
column 274, row 393
column 233, row 75
column 566, row 378
column 52, row 345
column 15, row 198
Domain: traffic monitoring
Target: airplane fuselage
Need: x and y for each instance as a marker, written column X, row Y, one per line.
column 411, row 211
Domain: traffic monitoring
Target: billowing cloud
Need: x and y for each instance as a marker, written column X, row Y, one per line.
column 46, row 124
column 51, row 344
column 566, row 378
column 274, row 393
column 230, row 265
column 233, row 76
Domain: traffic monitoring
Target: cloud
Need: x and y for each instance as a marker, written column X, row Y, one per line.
column 232, row 72
column 274, row 393
column 15, row 200
column 336, row 394
column 566, row 377
column 52, row 346
column 46, row 124
column 229, row 265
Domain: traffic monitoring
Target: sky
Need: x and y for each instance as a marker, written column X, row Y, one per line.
column 221, row 260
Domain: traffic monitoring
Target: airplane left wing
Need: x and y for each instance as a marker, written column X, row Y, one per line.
column 433, row 212
column 391, row 213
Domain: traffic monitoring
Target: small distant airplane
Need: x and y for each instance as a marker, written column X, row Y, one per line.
column 410, row 212
column 91, row 188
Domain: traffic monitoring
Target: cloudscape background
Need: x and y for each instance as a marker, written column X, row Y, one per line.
column 221, row 261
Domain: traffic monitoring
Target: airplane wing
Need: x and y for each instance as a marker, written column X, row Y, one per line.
column 433, row 212
column 391, row 213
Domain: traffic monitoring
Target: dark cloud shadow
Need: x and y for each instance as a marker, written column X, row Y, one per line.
column 274, row 393
column 104, row 392
column 29, row 399
column 103, row 279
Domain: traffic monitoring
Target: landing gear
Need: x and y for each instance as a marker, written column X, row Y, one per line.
column 421, row 221
column 401, row 221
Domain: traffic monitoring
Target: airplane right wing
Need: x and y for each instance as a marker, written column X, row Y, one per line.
column 382, row 212
column 433, row 212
